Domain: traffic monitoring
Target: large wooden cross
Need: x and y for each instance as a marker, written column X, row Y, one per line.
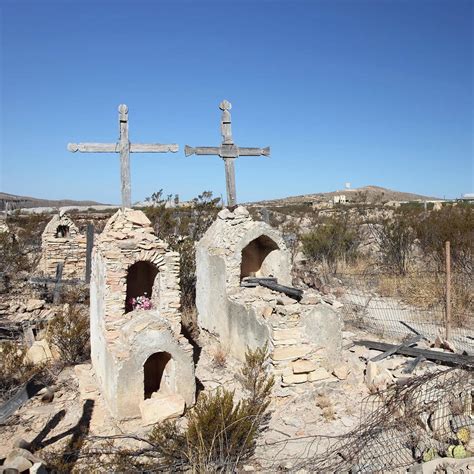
column 228, row 151
column 124, row 147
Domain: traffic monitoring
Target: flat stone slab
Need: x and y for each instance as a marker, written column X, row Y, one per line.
column 161, row 407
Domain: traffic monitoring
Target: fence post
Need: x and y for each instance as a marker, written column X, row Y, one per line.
column 448, row 291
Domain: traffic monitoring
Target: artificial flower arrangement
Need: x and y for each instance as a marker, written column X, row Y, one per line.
column 141, row 302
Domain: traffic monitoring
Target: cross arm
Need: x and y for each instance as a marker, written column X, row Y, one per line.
column 153, row 148
column 94, row 147
column 202, row 150
column 246, row 151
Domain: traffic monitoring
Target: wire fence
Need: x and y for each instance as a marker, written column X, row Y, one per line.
column 428, row 417
column 393, row 305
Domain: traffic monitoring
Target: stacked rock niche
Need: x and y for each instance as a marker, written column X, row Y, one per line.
column 143, row 364
column 61, row 242
column 303, row 338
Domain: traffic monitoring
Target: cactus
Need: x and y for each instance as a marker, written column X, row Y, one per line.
column 430, row 454
column 459, row 452
column 464, row 435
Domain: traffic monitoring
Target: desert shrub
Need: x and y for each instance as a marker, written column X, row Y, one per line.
column 395, row 239
column 76, row 294
column 181, row 227
column 220, row 431
column 332, row 242
column 219, row 358
column 13, row 258
column 453, row 223
column 14, row 371
column 69, row 333
column 26, row 231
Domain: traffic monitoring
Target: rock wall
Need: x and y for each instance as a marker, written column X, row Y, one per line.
column 69, row 249
column 219, row 261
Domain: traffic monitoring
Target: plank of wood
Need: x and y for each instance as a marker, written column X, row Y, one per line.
column 57, row 288
column 153, row 148
column 248, row 151
column 443, row 357
column 94, row 147
column 252, row 282
column 394, row 349
column 202, row 150
column 28, row 390
column 294, row 293
column 230, row 182
column 411, row 366
column 413, row 330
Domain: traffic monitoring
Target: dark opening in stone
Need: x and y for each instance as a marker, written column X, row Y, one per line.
column 140, row 278
column 154, row 369
column 254, row 255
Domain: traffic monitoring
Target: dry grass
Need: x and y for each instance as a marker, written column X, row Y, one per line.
column 219, row 358
column 428, row 290
column 327, row 407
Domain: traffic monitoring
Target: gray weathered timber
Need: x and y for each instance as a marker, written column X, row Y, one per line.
column 124, row 148
column 394, row 349
column 228, row 151
column 58, row 285
column 442, row 357
column 28, row 390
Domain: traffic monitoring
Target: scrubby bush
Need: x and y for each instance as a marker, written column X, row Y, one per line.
column 20, row 248
column 69, row 333
column 181, row 227
column 395, row 239
column 220, row 432
column 13, row 258
column 331, row 243
column 450, row 223
column 13, row 368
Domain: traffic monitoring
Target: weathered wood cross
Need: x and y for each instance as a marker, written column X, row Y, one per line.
column 228, row 151
column 124, row 147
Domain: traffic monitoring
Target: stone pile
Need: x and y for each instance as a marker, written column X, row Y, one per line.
column 69, row 249
column 21, row 459
column 304, row 338
column 32, row 310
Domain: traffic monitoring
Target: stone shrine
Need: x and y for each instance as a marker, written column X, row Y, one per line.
column 302, row 337
column 61, row 241
column 143, row 364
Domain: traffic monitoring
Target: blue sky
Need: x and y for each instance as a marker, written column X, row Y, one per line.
column 369, row 92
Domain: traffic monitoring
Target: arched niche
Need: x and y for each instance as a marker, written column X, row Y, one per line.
column 159, row 374
column 62, row 231
column 256, row 257
column 140, row 279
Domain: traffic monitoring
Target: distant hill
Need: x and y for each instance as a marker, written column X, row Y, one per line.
column 369, row 194
column 17, row 202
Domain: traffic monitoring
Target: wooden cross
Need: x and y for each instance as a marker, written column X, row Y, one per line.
column 124, row 147
column 228, row 151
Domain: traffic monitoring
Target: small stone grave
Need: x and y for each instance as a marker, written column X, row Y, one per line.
column 302, row 337
column 143, row 364
column 61, row 242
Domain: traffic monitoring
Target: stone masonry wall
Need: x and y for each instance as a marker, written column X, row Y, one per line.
column 122, row 341
column 70, row 250
column 304, row 339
